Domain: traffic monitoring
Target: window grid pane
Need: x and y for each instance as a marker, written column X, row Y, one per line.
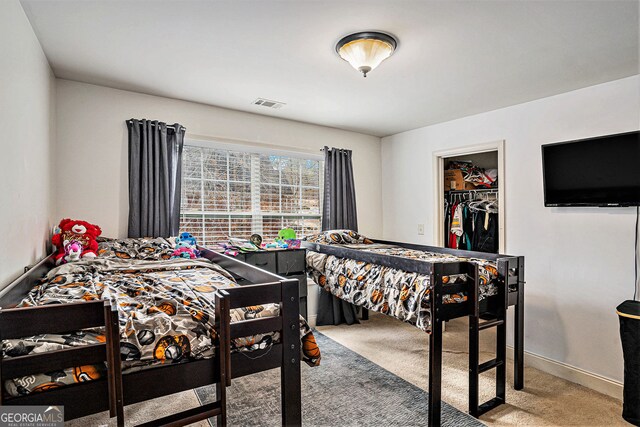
column 217, row 199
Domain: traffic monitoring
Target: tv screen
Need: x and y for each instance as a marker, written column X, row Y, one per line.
column 601, row 171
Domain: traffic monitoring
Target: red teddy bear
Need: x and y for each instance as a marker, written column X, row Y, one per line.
column 78, row 231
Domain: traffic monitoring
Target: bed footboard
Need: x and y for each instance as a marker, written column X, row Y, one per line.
column 287, row 324
column 29, row 321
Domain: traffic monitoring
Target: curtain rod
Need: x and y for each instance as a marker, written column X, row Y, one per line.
column 152, row 123
column 338, row 149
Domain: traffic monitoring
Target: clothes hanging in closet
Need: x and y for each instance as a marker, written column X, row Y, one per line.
column 447, row 222
column 453, row 238
column 467, row 226
column 470, row 227
column 485, row 235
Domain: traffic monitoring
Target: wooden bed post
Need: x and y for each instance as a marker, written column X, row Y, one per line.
column 223, row 353
column 435, row 348
column 518, row 331
column 474, row 346
column 114, row 364
column 291, row 388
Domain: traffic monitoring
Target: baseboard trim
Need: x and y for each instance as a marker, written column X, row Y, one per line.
column 571, row 373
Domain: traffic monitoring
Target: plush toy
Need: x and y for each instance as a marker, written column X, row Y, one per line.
column 286, row 233
column 186, row 247
column 72, row 251
column 186, row 238
column 82, row 232
column 183, row 252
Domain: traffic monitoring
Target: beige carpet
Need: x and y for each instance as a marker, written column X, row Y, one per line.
column 546, row 399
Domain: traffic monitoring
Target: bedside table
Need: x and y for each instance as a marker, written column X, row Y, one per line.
column 289, row 263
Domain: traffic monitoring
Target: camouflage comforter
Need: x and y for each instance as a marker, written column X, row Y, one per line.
column 390, row 291
column 165, row 311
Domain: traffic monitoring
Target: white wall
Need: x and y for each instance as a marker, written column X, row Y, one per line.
column 579, row 261
column 92, row 149
column 27, row 92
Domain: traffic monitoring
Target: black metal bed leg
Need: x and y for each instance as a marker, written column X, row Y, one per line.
column 501, row 354
column 518, row 331
column 474, row 350
column 435, row 348
column 365, row 314
column 223, row 318
column 474, row 346
column 291, row 389
column 221, row 420
column 435, row 374
column 112, row 331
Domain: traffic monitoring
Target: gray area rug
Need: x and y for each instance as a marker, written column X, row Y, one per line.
column 345, row 390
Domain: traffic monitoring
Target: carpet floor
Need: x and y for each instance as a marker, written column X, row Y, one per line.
column 142, row 412
column 345, row 390
column 402, row 350
column 546, row 400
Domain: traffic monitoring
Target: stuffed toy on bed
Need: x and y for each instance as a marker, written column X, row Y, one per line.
column 72, row 251
column 186, row 247
column 82, row 232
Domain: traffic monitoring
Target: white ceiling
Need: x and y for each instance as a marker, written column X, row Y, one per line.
column 455, row 58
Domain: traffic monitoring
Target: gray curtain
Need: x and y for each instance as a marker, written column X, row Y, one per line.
column 338, row 212
column 155, row 172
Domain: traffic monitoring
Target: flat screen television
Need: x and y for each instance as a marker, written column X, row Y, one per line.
column 600, row 171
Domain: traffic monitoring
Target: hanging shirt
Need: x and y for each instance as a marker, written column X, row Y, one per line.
column 487, row 238
column 467, row 226
column 456, row 223
column 453, row 240
column 447, row 223
column 478, row 224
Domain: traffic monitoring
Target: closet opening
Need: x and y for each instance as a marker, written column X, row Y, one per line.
column 469, row 198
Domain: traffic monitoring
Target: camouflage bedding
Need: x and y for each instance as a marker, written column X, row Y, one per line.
column 165, row 310
column 390, row 291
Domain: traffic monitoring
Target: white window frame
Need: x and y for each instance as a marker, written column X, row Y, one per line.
column 256, row 214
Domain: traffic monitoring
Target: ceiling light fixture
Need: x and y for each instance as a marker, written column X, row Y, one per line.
column 366, row 50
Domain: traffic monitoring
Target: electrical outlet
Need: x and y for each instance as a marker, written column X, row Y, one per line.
column 421, row 229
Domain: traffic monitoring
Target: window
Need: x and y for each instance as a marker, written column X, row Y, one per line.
column 237, row 193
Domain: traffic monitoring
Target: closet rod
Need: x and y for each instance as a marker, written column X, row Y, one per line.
column 476, row 190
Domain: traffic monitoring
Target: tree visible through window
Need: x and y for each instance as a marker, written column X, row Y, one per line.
column 237, row 193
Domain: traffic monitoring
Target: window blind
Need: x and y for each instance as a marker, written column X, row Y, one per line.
column 237, row 193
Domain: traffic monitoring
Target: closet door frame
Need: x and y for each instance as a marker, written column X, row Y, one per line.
column 438, row 179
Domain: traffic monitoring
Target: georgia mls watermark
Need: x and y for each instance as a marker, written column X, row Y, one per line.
column 31, row 416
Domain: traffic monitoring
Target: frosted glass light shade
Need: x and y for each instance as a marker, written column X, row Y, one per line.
column 365, row 51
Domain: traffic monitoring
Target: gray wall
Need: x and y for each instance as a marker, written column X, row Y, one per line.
column 91, row 129
column 579, row 261
column 27, row 92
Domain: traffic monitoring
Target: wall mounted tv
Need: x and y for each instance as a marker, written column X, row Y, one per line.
column 600, row 171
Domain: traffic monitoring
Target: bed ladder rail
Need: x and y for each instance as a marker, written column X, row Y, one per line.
column 498, row 363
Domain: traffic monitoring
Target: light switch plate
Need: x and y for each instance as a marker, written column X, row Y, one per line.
column 421, row 229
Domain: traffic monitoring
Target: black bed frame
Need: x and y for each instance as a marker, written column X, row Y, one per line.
column 510, row 293
column 258, row 287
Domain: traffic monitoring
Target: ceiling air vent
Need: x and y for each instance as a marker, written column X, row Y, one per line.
column 268, row 103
